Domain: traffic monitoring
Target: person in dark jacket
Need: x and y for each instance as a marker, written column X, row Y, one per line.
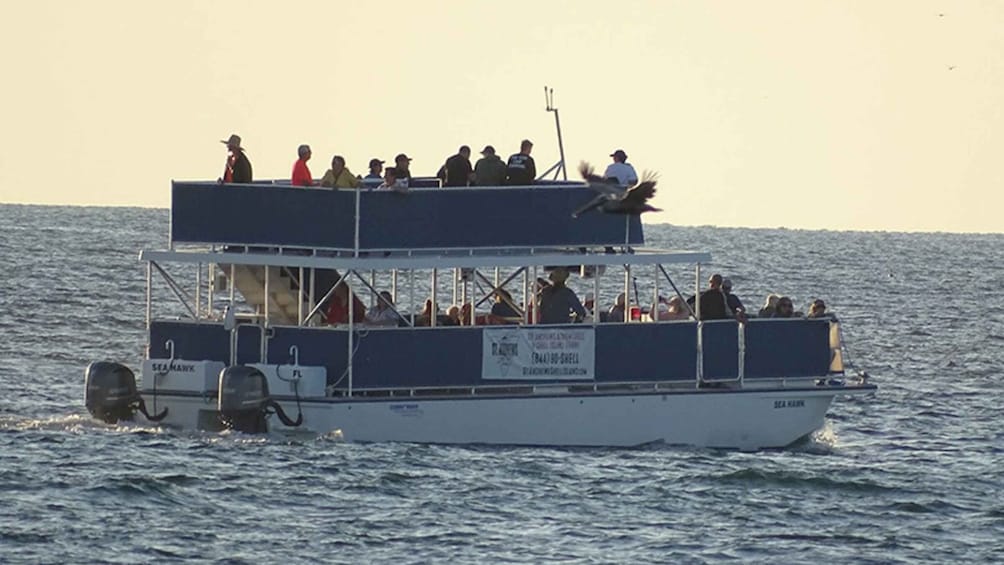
column 520, row 170
column 457, row 170
column 713, row 301
column 489, row 170
column 558, row 302
column 238, row 168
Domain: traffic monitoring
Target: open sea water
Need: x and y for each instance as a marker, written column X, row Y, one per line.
column 912, row 474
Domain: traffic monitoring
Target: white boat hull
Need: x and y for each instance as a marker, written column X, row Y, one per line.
column 741, row 419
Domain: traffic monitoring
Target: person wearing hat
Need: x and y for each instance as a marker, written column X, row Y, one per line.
column 457, row 171
column 339, row 176
column 301, row 173
column 375, row 177
column 521, row 170
column 489, row 170
column 558, row 302
column 402, row 163
column 621, row 170
column 238, row 168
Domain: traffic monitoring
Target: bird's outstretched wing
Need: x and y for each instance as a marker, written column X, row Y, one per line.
column 641, row 193
column 598, row 183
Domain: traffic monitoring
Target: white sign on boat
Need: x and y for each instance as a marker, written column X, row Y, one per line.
column 534, row 354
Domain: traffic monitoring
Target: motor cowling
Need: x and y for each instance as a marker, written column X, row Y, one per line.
column 110, row 393
column 244, row 403
column 243, row 396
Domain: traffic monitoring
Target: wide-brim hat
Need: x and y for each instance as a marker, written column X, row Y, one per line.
column 234, row 140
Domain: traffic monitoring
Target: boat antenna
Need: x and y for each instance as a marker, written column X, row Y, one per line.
column 558, row 167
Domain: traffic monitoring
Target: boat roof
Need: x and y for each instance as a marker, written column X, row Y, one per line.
column 423, row 259
column 276, row 224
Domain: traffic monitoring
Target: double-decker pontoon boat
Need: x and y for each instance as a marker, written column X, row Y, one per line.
column 252, row 349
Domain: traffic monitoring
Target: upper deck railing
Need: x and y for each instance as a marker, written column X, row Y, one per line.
column 423, row 218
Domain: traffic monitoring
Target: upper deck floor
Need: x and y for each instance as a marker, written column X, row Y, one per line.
column 270, row 214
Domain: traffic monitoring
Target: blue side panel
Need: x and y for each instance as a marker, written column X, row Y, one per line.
column 274, row 215
column 787, row 348
column 452, row 356
column 640, row 352
column 195, row 342
column 721, row 349
column 454, row 218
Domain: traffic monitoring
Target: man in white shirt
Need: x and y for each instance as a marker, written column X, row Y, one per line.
column 621, row 170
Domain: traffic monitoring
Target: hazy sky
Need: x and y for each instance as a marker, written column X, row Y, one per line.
column 874, row 115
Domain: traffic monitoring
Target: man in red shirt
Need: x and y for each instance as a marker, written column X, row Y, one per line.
column 301, row 173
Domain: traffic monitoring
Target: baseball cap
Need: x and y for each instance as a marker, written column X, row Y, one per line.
column 375, row 162
column 619, row 154
column 488, row 150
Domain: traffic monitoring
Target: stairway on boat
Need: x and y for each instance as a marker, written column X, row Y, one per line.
column 284, row 289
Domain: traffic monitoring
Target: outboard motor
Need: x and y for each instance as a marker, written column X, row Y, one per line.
column 110, row 393
column 244, row 402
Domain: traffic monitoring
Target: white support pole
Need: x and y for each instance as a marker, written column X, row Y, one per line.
column 434, row 313
column 267, row 289
column 654, row 314
column 299, row 299
column 352, row 328
column 596, row 294
column 627, row 294
column 211, row 289
column 198, row 291
column 700, row 325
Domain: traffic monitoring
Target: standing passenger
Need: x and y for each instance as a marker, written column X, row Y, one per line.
column 520, row 170
column 375, row 177
column 301, row 173
column 621, row 170
column 339, row 176
column 403, row 165
column 238, row 168
column 457, row 169
column 558, row 302
column 489, row 170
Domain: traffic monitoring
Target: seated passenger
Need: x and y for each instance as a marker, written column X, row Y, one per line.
column 785, row 309
column 338, row 307
column 671, row 309
column 503, row 310
column 616, row 312
column 558, row 302
column 818, row 310
column 301, row 173
column 383, row 313
column 769, row 306
column 339, row 176
column 390, row 181
column 589, row 303
column 465, row 314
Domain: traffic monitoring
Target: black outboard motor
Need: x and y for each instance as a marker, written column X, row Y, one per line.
column 110, row 393
column 244, row 402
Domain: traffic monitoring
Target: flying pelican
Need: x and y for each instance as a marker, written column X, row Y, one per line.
column 612, row 198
